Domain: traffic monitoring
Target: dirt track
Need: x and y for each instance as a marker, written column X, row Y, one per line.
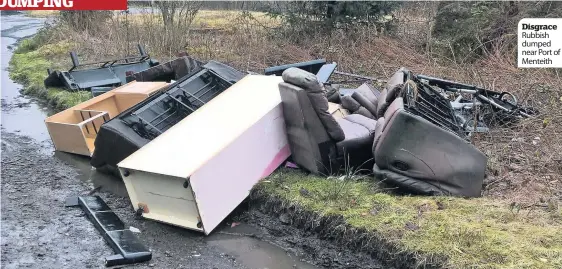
column 39, row 232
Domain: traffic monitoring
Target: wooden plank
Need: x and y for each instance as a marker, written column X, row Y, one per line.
column 185, row 147
column 145, row 88
column 126, row 101
column 68, row 138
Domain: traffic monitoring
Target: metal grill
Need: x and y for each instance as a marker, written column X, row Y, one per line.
column 168, row 108
column 422, row 100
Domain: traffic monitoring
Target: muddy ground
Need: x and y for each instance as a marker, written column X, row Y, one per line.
column 37, row 231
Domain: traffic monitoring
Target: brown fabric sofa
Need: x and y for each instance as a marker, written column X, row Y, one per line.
column 320, row 143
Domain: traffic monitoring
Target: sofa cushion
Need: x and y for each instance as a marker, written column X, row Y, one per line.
column 349, row 103
column 366, row 103
column 394, row 93
column 368, row 93
column 397, row 79
column 332, row 92
column 317, row 97
column 407, row 184
column 359, row 133
column 311, row 146
column 370, row 124
column 395, row 106
column 303, row 79
column 382, row 104
column 364, row 112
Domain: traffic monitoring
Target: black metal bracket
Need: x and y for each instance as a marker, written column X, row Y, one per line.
column 127, row 246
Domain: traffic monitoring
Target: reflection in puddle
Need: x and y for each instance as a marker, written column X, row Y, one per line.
column 254, row 253
column 87, row 173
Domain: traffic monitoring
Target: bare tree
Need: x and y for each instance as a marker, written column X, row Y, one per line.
column 178, row 14
column 177, row 17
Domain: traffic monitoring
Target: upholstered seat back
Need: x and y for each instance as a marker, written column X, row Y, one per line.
column 320, row 143
column 419, row 151
column 318, row 100
column 391, row 91
column 311, row 146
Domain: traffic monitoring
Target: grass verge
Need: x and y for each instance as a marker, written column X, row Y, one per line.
column 29, row 64
column 409, row 231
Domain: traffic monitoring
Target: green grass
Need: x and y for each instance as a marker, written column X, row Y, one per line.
column 29, row 65
column 468, row 233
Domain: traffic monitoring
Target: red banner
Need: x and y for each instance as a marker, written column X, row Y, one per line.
column 63, row 4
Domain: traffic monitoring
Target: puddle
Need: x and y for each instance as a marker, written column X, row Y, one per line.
column 254, row 253
column 87, row 173
column 19, row 114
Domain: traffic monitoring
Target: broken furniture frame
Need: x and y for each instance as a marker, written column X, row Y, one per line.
column 74, row 130
column 127, row 246
column 497, row 100
column 483, row 107
column 422, row 100
column 311, row 66
column 172, row 70
column 173, row 105
column 107, row 63
column 107, row 75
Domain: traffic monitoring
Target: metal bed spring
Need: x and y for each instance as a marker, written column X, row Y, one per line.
column 422, row 100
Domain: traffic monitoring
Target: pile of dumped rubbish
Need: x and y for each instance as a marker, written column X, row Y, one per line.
column 166, row 128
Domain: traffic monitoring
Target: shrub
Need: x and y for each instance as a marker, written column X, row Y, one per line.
column 325, row 16
column 86, row 19
column 468, row 30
